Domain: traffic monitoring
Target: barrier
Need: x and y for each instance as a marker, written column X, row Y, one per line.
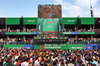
column 50, row 46
column 91, row 46
column 55, row 46
column 29, row 46
column 79, row 33
column 59, row 46
column 13, row 46
column 75, row 46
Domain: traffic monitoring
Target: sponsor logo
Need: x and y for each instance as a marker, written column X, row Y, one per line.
column 29, row 20
column 69, row 20
column 16, row 47
column 77, row 47
column 49, row 22
column 89, row 47
column 54, row 46
column 28, row 47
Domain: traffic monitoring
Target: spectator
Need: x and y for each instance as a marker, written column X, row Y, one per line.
column 94, row 61
column 25, row 63
column 36, row 62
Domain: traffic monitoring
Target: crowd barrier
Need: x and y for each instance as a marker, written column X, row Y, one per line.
column 30, row 43
column 80, row 42
column 18, row 46
column 55, row 46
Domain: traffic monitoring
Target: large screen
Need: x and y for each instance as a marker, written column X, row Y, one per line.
column 49, row 11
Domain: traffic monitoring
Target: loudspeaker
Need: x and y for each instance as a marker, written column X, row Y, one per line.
column 79, row 22
column 21, row 22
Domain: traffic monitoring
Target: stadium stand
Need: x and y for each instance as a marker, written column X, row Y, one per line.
column 49, row 39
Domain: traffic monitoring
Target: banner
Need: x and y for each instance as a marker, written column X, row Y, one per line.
column 60, row 46
column 73, row 21
column 86, row 32
column 13, row 46
column 21, row 33
column 12, row 21
column 75, row 33
column 30, row 21
column 29, row 46
column 87, row 21
column 50, row 46
column 66, row 32
column 91, row 46
column 69, row 21
column 34, row 33
column 76, row 46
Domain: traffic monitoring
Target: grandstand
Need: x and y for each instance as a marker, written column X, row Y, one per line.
column 50, row 31
column 50, row 39
column 13, row 32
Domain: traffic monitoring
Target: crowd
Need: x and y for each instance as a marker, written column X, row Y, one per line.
column 20, row 30
column 96, row 30
column 34, row 30
column 85, row 30
column 17, row 30
column 31, row 30
column 68, row 30
column 16, row 41
column 83, row 40
column 30, row 40
column 29, row 57
column 65, row 30
column 3, row 30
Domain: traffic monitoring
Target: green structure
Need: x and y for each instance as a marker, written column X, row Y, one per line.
column 49, row 24
column 50, row 27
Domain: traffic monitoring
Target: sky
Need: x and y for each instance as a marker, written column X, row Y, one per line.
column 29, row 8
